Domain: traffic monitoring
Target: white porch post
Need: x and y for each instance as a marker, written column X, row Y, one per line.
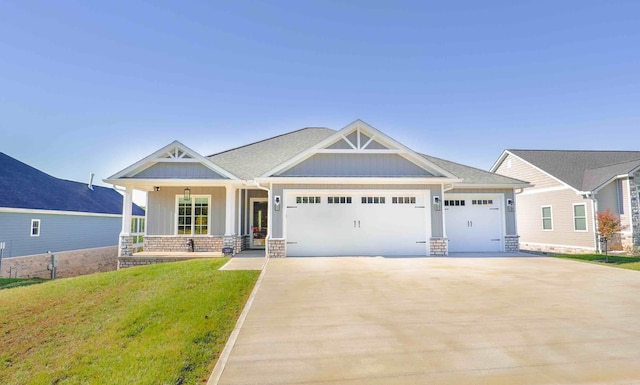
column 126, row 241
column 230, row 217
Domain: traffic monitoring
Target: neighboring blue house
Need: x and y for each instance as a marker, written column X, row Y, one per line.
column 40, row 213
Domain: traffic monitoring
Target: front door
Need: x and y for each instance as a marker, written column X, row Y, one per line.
column 259, row 220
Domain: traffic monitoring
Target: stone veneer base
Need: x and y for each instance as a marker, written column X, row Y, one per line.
column 439, row 246
column 276, row 248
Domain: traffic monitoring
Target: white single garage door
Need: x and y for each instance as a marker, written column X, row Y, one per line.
column 474, row 222
column 336, row 223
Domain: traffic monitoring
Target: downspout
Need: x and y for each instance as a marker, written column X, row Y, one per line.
column 269, row 219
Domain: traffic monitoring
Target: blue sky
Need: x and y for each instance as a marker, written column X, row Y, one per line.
column 95, row 86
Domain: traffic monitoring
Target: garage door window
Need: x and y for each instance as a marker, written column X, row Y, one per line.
column 454, row 202
column 547, row 219
column 481, row 202
column 339, row 200
column 403, row 200
column 373, row 200
column 303, row 200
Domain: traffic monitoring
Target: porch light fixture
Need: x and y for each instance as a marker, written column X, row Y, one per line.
column 156, row 188
column 187, row 194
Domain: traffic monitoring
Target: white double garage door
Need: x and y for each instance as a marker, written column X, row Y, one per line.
column 381, row 222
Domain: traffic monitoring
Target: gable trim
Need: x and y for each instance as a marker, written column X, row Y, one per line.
column 507, row 152
column 177, row 157
column 356, row 126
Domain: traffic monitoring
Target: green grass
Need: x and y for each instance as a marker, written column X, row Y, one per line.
column 625, row 262
column 159, row 324
column 9, row 283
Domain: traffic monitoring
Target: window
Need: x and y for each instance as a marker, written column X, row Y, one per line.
column 307, row 200
column 192, row 215
column 137, row 232
column 35, row 227
column 620, row 194
column 403, row 200
column 339, row 200
column 373, row 200
column 580, row 217
column 547, row 219
column 481, row 202
column 454, row 202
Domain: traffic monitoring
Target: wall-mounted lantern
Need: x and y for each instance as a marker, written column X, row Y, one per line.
column 156, row 188
column 510, row 207
column 437, row 203
column 187, row 194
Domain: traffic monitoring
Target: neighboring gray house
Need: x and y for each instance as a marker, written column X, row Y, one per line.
column 320, row 192
column 40, row 213
column 559, row 212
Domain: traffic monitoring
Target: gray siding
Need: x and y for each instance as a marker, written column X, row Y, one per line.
column 510, row 216
column 277, row 219
column 178, row 171
column 524, row 171
column 375, row 165
column 57, row 233
column 161, row 209
column 609, row 196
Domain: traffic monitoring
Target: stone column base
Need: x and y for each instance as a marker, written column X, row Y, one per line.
column 276, row 247
column 511, row 243
column 439, row 246
column 125, row 248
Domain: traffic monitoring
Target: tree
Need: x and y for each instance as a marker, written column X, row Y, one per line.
column 608, row 225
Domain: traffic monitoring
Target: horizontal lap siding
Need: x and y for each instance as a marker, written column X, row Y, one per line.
column 277, row 219
column 57, row 233
column 529, row 208
column 524, row 171
column 161, row 210
column 178, row 171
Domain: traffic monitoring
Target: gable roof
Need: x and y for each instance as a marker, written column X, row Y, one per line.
column 255, row 159
column 25, row 187
column 582, row 170
column 474, row 176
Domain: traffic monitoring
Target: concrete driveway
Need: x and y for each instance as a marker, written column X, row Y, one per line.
column 439, row 321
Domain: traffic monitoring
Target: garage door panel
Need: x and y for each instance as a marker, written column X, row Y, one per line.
column 474, row 223
column 358, row 228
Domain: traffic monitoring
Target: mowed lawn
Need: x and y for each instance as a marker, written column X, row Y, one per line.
column 625, row 262
column 159, row 324
column 9, row 283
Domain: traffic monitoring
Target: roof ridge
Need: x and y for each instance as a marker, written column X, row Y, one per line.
column 264, row 140
column 612, row 151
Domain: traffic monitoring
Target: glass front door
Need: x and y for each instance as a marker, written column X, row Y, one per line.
column 259, row 223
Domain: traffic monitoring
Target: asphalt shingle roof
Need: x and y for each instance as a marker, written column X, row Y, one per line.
column 26, row 187
column 582, row 170
column 472, row 175
column 255, row 159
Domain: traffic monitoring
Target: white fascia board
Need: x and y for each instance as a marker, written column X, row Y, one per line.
column 396, row 147
column 498, row 162
column 495, row 186
column 355, row 180
column 152, row 159
column 56, row 212
column 148, row 184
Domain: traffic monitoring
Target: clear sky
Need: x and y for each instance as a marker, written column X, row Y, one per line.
column 94, row 86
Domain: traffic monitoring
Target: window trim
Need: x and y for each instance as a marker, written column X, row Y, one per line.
column 543, row 217
column 193, row 213
column 586, row 222
column 39, row 222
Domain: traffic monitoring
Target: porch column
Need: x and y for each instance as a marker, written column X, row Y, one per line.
column 125, row 248
column 230, row 212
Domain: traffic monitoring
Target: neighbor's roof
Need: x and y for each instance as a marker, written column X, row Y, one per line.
column 255, row 159
column 582, row 170
column 472, row 175
column 25, row 187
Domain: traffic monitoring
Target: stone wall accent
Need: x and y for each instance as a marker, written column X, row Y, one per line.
column 70, row 263
column 200, row 244
column 244, row 242
column 276, row 247
column 551, row 249
column 439, row 246
column 512, row 243
column 126, row 246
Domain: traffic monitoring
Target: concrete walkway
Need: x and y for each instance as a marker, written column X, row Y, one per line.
column 439, row 321
column 246, row 260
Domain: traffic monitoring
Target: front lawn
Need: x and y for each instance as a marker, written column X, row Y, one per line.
column 159, row 324
column 8, row 283
column 631, row 263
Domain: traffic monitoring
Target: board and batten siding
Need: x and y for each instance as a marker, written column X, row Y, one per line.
column 277, row 216
column 524, row 171
column 510, row 216
column 178, row 171
column 354, row 165
column 529, row 208
column 161, row 209
column 58, row 232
